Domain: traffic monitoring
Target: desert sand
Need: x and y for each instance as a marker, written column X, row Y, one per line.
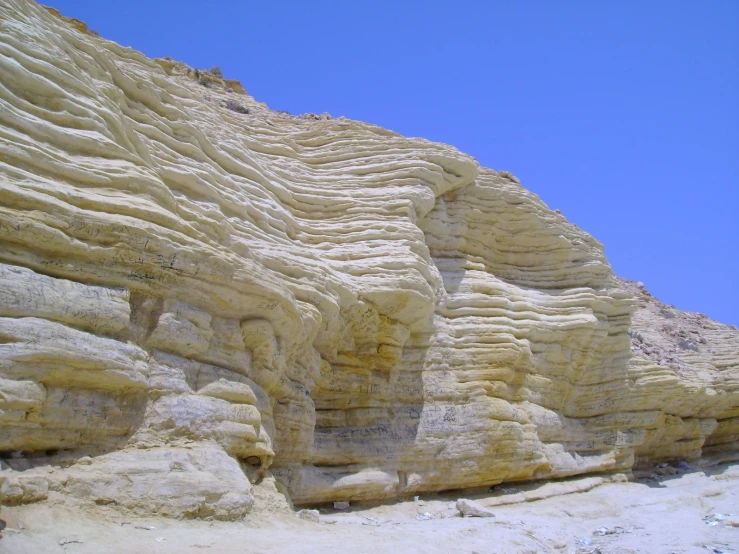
column 690, row 512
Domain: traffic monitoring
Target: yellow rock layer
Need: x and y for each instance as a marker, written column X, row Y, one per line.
column 197, row 293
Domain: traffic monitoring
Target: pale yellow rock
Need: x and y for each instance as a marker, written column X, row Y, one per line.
column 21, row 395
column 229, row 390
column 24, row 293
column 194, row 295
column 181, row 329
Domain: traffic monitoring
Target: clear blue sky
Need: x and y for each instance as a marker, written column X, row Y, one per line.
column 623, row 114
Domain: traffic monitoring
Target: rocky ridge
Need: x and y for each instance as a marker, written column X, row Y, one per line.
column 200, row 296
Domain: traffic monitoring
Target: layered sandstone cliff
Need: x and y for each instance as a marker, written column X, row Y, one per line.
column 198, row 293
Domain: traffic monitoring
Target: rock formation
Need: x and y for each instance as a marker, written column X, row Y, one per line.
column 198, row 293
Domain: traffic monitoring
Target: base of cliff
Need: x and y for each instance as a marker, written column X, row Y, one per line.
column 664, row 509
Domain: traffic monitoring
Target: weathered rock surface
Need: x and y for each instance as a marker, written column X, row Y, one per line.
column 310, row 515
column 696, row 363
column 196, row 292
column 469, row 508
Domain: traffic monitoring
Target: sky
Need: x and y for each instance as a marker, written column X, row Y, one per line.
column 623, row 115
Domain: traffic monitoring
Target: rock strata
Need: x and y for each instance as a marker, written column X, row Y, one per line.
column 197, row 298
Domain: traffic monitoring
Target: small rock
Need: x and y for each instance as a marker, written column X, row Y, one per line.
column 732, row 521
column 426, row 516
column 468, row 508
column 159, row 539
column 714, row 519
column 341, row 505
column 310, row 515
column 69, row 541
column 603, row 531
column 145, row 527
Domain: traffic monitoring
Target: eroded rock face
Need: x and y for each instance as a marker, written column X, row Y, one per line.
column 687, row 367
column 193, row 296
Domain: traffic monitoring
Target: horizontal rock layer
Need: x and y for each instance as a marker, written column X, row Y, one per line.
column 197, row 292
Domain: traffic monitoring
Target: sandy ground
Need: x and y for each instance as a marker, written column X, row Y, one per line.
column 665, row 515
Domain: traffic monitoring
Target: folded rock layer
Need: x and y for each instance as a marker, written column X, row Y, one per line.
column 197, row 293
